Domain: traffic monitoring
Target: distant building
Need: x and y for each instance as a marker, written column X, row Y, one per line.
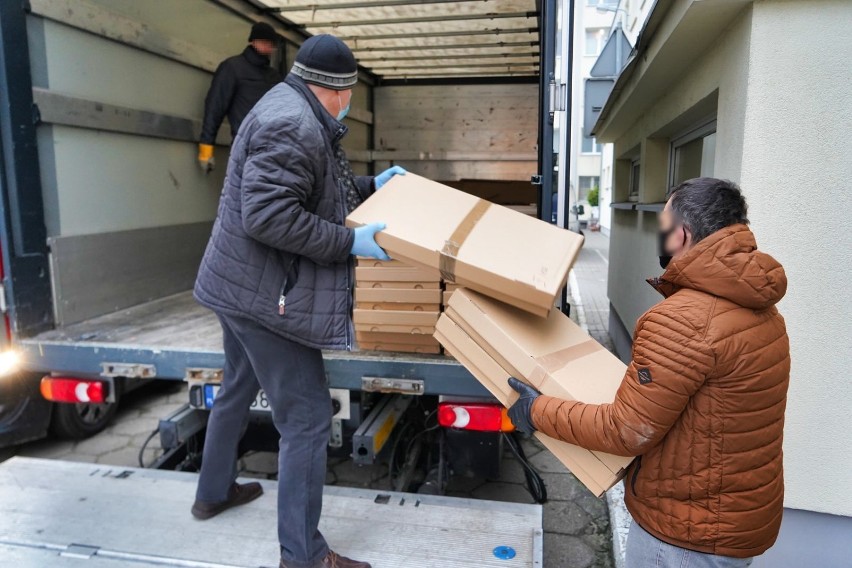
column 748, row 90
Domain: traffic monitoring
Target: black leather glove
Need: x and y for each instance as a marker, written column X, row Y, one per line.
column 521, row 412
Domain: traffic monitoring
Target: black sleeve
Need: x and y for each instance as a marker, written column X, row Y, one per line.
column 218, row 101
column 278, row 178
column 366, row 186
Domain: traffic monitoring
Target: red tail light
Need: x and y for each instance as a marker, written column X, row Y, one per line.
column 479, row 417
column 65, row 389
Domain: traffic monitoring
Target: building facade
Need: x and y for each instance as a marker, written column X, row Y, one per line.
column 745, row 90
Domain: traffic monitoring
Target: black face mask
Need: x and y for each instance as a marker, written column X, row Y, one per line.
column 663, row 236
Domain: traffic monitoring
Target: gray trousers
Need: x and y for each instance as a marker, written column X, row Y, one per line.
column 644, row 550
column 293, row 378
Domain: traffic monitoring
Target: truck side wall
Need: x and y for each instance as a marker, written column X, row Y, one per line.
column 107, row 190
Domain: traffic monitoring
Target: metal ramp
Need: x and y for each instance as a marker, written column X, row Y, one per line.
column 68, row 515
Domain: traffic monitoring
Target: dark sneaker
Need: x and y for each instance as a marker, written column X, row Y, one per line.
column 239, row 494
column 334, row 560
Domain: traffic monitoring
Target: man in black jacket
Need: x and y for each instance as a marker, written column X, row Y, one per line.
column 238, row 84
column 278, row 272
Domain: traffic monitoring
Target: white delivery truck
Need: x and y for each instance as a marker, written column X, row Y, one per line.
column 105, row 215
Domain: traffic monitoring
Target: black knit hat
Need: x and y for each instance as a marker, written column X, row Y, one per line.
column 262, row 30
column 326, row 61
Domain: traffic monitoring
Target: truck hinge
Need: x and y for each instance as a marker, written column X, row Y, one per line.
column 536, row 179
column 4, row 307
column 558, row 96
column 26, row 6
column 36, row 114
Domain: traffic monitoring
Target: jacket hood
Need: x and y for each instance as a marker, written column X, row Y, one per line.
column 727, row 264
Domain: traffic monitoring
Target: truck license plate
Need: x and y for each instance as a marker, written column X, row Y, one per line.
column 261, row 403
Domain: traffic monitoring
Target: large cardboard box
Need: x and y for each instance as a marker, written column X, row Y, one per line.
column 486, row 247
column 395, row 317
column 495, row 341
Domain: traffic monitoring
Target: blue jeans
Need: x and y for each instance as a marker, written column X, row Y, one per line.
column 293, row 378
column 644, row 550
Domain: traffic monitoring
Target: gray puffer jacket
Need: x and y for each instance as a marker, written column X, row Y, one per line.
column 279, row 253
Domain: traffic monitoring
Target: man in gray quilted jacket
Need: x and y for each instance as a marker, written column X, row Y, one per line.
column 278, row 273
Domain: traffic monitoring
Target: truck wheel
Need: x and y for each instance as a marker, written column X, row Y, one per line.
column 80, row 420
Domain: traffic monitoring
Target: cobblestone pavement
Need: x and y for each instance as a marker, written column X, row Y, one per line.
column 577, row 526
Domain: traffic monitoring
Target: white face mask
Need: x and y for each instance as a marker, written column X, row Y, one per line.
column 343, row 110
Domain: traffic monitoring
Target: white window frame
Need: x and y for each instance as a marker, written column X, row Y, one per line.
column 703, row 129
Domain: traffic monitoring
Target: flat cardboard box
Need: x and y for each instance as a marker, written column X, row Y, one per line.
column 486, row 247
column 398, row 307
column 397, row 296
column 445, row 298
column 450, row 287
column 399, row 338
column 364, row 261
column 593, row 473
column 395, row 317
column 394, row 328
column 401, row 348
column 395, row 274
column 554, row 354
column 430, row 285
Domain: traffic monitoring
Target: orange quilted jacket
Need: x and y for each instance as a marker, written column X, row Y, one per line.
column 702, row 402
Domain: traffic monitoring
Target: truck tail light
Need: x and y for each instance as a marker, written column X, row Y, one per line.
column 479, row 417
column 66, row 389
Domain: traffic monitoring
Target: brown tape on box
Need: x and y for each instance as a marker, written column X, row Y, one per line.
column 553, row 362
column 450, row 252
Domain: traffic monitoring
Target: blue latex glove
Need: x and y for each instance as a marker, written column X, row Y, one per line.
column 521, row 412
column 386, row 175
column 365, row 242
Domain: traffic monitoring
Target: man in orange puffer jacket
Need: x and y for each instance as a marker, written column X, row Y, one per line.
column 702, row 402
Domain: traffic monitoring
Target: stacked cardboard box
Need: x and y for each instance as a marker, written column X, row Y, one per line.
column 495, row 341
column 396, row 306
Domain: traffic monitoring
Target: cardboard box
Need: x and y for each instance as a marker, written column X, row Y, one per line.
column 553, row 354
column 398, row 338
column 385, row 306
column 445, row 298
column 395, row 274
column 397, row 296
column 394, row 328
column 374, row 262
column 401, row 348
column 450, row 287
column 395, row 317
column 486, row 247
column 431, row 285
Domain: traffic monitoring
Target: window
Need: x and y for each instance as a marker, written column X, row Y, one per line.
column 693, row 154
column 586, row 184
column 590, row 145
column 635, row 170
column 595, row 40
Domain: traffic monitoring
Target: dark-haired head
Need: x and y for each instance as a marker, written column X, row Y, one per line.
column 696, row 209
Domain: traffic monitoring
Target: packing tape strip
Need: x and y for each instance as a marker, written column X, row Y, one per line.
column 450, row 252
column 553, row 362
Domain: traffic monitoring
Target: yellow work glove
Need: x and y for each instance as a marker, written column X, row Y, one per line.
column 205, row 158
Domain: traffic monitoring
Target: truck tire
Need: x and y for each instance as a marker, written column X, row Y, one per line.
column 81, row 420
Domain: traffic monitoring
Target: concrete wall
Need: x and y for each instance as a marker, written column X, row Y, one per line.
column 796, row 172
column 784, row 117
column 717, row 81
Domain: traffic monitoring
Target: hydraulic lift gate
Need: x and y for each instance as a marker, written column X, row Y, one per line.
column 64, row 514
